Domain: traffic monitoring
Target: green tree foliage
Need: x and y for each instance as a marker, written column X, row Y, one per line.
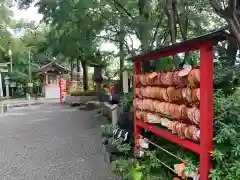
column 227, row 149
column 155, row 23
column 5, row 23
column 24, row 48
column 230, row 12
column 74, row 28
column 20, row 47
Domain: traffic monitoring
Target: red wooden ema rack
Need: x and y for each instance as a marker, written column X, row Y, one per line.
column 205, row 45
column 169, row 136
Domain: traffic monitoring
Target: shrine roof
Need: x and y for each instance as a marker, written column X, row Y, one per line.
column 189, row 45
column 53, row 65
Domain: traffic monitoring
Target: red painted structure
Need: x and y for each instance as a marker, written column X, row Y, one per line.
column 205, row 45
column 63, row 89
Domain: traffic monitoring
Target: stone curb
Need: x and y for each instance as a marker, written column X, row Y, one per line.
column 23, row 104
column 6, row 106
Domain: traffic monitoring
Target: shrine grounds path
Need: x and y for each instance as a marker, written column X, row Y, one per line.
column 51, row 142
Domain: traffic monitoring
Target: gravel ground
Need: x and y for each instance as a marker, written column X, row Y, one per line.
column 51, row 142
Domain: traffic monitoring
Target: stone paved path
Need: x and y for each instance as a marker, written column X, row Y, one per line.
column 51, row 142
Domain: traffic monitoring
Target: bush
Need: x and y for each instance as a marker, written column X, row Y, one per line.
column 126, row 102
column 19, row 93
column 80, row 92
column 226, row 155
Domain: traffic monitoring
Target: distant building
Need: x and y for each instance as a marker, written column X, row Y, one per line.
column 51, row 74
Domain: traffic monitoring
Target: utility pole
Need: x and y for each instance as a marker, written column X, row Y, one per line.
column 11, row 61
column 10, row 55
column 11, row 69
column 29, row 73
column 29, row 62
column 29, row 69
column 29, row 65
column 11, row 66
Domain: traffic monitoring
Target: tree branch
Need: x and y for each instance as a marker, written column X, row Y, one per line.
column 173, row 27
column 232, row 5
column 224, row 3
column 165, row 38
column 107, row 38
column 116, row 41
column 181, row 25
column 103, row 16
column 123, row 8
column 236, row 20
column 130, row 39
column 217, row 7
column 160, row 18
column 113, row 2
column 162, row 38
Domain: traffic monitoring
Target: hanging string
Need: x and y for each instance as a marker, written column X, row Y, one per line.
column 197, row 177
column 171, row 154
column 164, row 164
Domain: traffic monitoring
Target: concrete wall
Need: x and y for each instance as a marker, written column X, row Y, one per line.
column 52, row 92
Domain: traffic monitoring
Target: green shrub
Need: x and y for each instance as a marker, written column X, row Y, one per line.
column 80, row 92
column 126, row 101
column 226, row 155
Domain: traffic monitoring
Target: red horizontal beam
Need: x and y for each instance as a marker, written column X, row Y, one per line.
column 189, row 45
column 166, row 52
column 170, row 137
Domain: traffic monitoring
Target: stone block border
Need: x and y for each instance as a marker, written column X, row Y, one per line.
column 77, row 99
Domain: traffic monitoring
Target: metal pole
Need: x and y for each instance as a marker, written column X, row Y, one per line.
column 11, row 69
column 29, row 73
column 1, row 88
column 29, row 66
column 12, row 91
column 10, row 54
column 11, row 64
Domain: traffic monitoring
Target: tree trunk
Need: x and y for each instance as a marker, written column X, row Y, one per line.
column 235, row 27
column 78, row 69
column 71, row 69
column 98, row 80
column 144, row 31
column 232, row 50
column 173, row 27
column 226, row 83
column 121, row 51
column 98, row 90
column 183, row 26
column 231, row 14
column 85, row 75
column 235, row 23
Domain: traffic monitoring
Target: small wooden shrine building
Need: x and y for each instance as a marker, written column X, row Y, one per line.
column 51, row 74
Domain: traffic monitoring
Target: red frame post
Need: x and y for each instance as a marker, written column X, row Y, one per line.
column 63, row 86
column 206, row 109
column 137, row 129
